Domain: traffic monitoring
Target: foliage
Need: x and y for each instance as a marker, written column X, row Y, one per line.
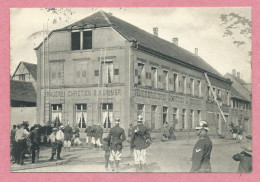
column 237, row 27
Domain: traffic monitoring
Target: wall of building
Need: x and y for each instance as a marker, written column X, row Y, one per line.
column 20, row 114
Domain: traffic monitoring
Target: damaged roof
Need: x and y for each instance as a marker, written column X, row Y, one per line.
column 22, row 91
column 143, row 38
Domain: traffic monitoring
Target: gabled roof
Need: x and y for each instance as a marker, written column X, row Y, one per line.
column 22, row 91
column 236, row 94
column 143, row 38
column 238, row 80
column 32, row 68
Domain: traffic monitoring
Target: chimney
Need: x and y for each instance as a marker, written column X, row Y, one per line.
column 234, row 72
column 155, row 31
column 196, row 51
column 238, row 74
column 175, row 41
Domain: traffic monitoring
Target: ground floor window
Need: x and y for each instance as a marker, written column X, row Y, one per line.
column 175, row 116
column 191, row 123
column 153, row 116
column 107, row 115
column 184, row 119
column 56, row 113
column 199, row 115
column 165, row 115
column 141, row 111
column 81, row 115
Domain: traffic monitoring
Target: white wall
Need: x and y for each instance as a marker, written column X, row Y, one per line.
column 20, row 114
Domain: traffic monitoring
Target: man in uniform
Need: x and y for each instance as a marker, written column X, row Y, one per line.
column 89, row 131
column 35, row 140
column 13, row 142
column 116, row 137
column 140, row 141
column 202, row 150
column 21, row 136
column 98, row 135
column 68, row 134
column 59, row 140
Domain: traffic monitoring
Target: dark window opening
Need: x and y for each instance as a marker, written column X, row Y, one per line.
column 87, row 40
column 75, row 40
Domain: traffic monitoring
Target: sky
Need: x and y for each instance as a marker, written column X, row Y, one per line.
column 195, row 28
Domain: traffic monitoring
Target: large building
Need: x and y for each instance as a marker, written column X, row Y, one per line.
column 102, row 67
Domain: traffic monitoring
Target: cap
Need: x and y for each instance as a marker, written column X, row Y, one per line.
column 61, row 127
column 117, row 121
column 247, row 147
column 140, row 119
column 202, row 125
column 54, row 129
column 25, row 123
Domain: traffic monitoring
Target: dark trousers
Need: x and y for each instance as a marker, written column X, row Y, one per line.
column 107, row 154
column 35, row 152
column 59, row 147
column 21, row 151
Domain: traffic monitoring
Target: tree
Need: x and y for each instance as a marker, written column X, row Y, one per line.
column 237, row 27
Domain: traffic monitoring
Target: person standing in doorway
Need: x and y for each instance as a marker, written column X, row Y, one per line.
column 140, row 141
column 202, row 150
column 116, row 137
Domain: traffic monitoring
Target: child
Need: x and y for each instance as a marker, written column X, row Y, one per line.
column 106, row 148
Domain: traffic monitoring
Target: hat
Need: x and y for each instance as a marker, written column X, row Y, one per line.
column 61, row 127
column 36, row 126
column 202, row 125
column 247, row 147
column 117, row 121
column 140, row 119
column 54, row 129
column 25, row 123
column 249, row 137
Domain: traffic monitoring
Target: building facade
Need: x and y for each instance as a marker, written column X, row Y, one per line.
column 102, row 67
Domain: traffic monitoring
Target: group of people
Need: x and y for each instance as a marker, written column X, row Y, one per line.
column 237, row 132
column 168, row 132
column 25, row 140
column 94, row 135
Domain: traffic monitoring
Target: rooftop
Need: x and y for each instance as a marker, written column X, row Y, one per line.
column 22, row 91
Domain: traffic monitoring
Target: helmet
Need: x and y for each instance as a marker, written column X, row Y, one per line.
column 202, row 125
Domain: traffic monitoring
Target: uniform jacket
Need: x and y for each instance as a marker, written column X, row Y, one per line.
column 68, row 133
column 35, row 137
column 89, row 131
column 201, row 155
column 60, row 136
column 245, row 162
column 139, row 135
column 116, row 136
column 98, row 132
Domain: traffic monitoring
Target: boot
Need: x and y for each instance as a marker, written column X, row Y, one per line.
column 137, row 169
column 117, row 165
column 52, row 157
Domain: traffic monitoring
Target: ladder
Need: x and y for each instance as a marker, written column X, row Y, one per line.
column 215, row 99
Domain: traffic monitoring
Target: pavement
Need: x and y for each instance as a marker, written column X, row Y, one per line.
column 169, row 156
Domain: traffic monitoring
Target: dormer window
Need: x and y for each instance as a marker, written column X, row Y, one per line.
column 81, row 40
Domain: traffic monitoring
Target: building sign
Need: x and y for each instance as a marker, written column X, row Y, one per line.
column 83, row 92
column 150, row 94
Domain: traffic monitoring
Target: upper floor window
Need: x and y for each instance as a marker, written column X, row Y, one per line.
column 165, row 80
column 80, row 72
column 141, row 74
column 22, row 77
column 175, row 82
column 199, row 87
column 107, row 72
column 81, row 40
column 191, row 86
column 154, row 77
column 184, row 84
column 56, row 73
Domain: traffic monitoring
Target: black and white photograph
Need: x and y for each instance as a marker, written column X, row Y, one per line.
column 131, row 90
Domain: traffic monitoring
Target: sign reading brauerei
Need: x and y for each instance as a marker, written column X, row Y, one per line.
column 84, row 92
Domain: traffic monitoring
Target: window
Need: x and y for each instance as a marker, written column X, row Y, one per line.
column 81, row 115
column 107, row 114
column 141, row 74
column 228, row 97
column 175, row 116
column 56, row 73
column 165, row 80
column 184, row 119
column 81, row 40
column 153, row 115
column 191, row 123
column 116, row 72
column 199, row 87
column 22, row 77
column 80, row 72
column 175, row 82
column 56, row 113
column 184, row 84
column 107, row 72
column 96, row 72
column 154, row 77
column 140, row 110
column 165, row 115
column 191, row 86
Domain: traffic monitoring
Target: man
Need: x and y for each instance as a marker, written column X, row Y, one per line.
column 77, row 135
column 116, row 137
column 59, row 140
column 13, row 142
column 68, row 134
column 52, row 138
column 21, row 136
column 94, row 130
column 202, row 150
column 98, row 135
column 88, row 131
column 245, row 157
column 140, row 141
column 35, row 141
